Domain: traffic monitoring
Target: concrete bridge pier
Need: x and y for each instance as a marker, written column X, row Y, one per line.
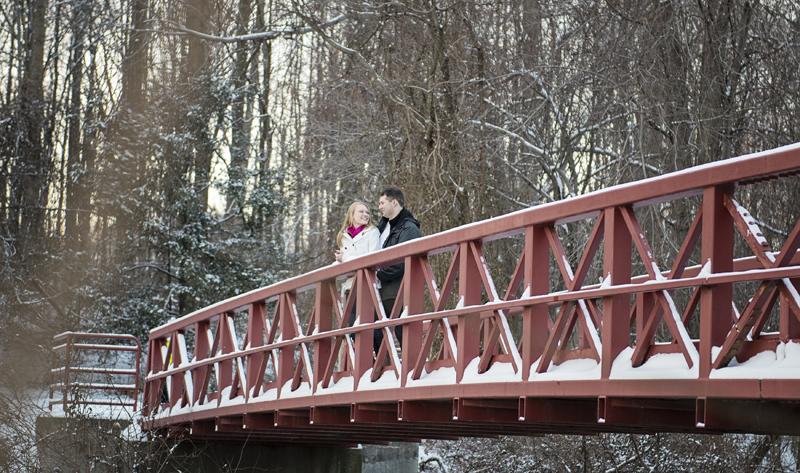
column 208, row 458
column 401, row 457
column 85, row 445
column 80, row 444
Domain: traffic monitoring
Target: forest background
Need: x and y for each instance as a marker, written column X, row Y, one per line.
column 161, row 155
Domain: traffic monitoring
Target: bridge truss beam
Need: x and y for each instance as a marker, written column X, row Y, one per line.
column 645, row 349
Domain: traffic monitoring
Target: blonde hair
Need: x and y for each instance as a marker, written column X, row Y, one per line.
column 348, row 221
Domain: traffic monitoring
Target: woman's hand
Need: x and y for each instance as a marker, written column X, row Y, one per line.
column 339, row 256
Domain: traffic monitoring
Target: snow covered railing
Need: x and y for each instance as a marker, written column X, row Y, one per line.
column 287, row 347
column 73, row 367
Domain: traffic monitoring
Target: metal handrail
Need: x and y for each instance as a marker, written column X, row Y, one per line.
column 198, row 359
column 60, row 375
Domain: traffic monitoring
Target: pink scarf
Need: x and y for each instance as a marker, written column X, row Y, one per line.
column 353, row 231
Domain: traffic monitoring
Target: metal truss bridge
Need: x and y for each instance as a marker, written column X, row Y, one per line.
column 610, row 336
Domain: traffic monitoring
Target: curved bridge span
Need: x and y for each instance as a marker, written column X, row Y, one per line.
column 608, row 334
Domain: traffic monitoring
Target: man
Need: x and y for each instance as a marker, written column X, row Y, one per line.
column 396, row 226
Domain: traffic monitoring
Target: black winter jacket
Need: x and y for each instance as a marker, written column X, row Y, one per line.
column 403, row 227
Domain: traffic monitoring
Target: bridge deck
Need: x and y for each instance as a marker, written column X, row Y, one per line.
column 682, row 349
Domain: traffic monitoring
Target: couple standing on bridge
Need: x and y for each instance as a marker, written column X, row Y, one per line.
column 359, row 237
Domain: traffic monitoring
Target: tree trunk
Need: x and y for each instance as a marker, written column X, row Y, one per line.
column 725, row 39
column 125, row 130
column 88, row 157
column 134, row 64
column 240, row 128
column 29, row 180
column 198, row 14
column 75, row 170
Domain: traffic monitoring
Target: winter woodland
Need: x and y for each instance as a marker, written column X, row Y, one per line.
column 160, row 155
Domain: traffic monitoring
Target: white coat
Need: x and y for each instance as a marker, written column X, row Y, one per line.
column 367, row 241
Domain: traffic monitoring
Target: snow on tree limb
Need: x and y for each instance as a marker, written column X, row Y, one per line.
column 266, row 35
column 318, row 28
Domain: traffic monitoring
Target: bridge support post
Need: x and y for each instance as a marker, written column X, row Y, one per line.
column 214, row 457
column 616, row 309
column 645, row 302
column 397, row 457
column 83, row 445
column 789, row 325
column 255, row 332
column 414, row 287
column 226, row 345
column 155, row 363
column 78, row 443
column 717, row 249
column 365, row 314
column 537, row 275
column 284, row 313
column 323, row 306
column 469, row 326
column 201, row 349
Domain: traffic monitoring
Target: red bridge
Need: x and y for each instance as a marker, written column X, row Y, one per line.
column 682, row 348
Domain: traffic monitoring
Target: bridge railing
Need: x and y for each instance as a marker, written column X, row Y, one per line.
column 85, row 372
column 268, row 345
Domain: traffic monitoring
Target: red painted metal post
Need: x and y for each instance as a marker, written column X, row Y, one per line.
column 536, row 282
column 323, row 314
column 225, row 375
column 67, row 356
column 413, row 300
column 155, row 364
column 468, row 337
column 136, row 376
column 789, row 325
column 175, row 360
column 147, row 385
column 717, row 248
column 255, row 336
column 645, row 302
column 201, row 352
column 288, row 332
column 365, row 314
column 616, row 309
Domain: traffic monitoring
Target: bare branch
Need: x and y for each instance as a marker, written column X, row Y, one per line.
column 365, row 64
column 266, row 35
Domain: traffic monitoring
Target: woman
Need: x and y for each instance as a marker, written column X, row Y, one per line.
column 357, row 237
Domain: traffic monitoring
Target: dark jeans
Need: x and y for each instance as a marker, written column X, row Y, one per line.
column 377, row 336
column 388, row 304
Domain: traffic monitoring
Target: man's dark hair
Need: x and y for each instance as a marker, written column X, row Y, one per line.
column 393, row 193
